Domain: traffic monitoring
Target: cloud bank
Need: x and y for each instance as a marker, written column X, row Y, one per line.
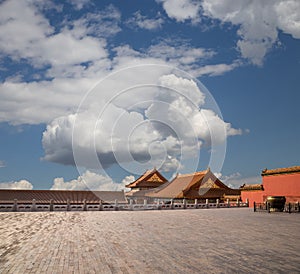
column 258, row 22
column 149, row 124
column 147, row 116
column 236, row 180
column 182, row 10
column 89, row 181
column 22, row 184
column 143, row 22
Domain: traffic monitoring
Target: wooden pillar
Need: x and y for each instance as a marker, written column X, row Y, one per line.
column 238, row 202
column 218, row 203
column 268, row 207
column 254, row 206
column 298, row 206
column 100, row 205
column 290, row 208
column 228, row 203
column 145, row 202
column 247, row 202
column 206, row 202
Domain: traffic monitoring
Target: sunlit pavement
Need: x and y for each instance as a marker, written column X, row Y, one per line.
column 174, row 241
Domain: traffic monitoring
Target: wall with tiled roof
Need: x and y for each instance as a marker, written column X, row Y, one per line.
column 278, row 171
column 276, row 182
column 61, row 196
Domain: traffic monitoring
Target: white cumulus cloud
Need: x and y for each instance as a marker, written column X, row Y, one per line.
column 146, row 114
column 236, row 180
column 179, row 53
column 25, row 34
column 215, row 70
column 73, row 58
column 182, row 10
column 22, row 184
column 288, row 16
column 258, row 22
column 127, row 180
column 152, row 125
column 141, row 21
column 87, row 181
column 79, row 4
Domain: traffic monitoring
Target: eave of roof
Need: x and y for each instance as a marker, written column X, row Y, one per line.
column 177, row 187
column 279, row 171
column 61, row 196
column 186, row 185
column 251, row 187
column 205, row 174
column 210, row 193
column 144, row 177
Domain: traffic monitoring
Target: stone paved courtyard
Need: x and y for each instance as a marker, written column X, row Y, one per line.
column 173, row 241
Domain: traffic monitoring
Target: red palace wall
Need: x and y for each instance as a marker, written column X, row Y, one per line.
column 252, row 196
column 287, row 185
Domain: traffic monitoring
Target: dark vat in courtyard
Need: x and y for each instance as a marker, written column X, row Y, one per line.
column 276, row 203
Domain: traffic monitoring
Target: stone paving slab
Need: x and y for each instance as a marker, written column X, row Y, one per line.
column 178, row 241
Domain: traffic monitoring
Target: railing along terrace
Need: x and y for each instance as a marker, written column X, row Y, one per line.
column 288, row 207
column 292, row 207
column 159, row 205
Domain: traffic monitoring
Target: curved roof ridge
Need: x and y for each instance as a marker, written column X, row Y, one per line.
column 193, row 174
column 283, row 170
column 148, row 173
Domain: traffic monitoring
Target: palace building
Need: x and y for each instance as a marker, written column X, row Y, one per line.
column 199, row 185
column 275, row 182
column 150, row 180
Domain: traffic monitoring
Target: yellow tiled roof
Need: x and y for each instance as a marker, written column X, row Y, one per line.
column 189, row 185
column 277, row 171
column 145, row 179
column 60, row 196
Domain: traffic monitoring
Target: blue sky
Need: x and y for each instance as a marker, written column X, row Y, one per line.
column 92, row 93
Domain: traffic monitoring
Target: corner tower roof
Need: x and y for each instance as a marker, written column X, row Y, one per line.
column 150, row 179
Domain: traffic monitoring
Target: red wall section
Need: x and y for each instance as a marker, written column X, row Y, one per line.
column 282, row 185
column 252, row 196
column 287, row 185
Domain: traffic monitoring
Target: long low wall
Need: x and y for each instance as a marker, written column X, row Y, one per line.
column 33, row 207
